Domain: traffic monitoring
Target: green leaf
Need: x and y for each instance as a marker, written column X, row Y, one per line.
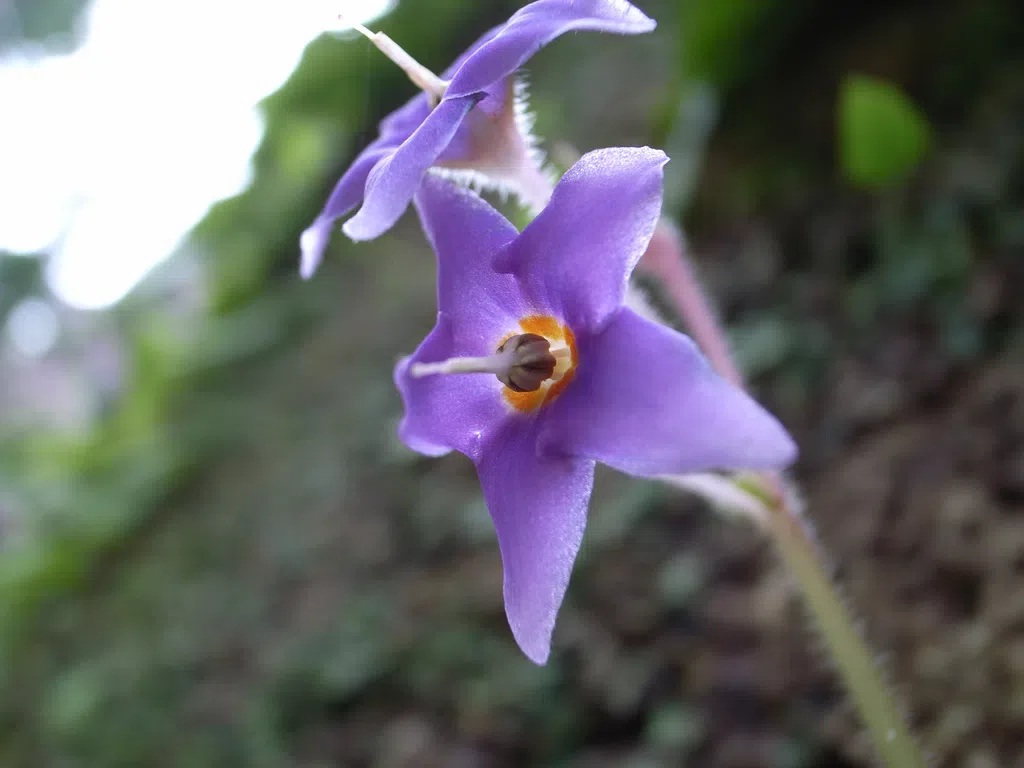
column 882, row 135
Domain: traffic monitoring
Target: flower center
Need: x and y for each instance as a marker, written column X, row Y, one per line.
column 535, row 362
column 561, row 346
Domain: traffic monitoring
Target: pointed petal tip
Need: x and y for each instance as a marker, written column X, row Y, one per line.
column 787, row 451
column 312, row 244
column 610, row 159
column 358, row 230
column 648, row 25
column 769, row 445
column 535, row 25
column 535, row 644
column 640, row 22
column 537, row 655
column 653, row 155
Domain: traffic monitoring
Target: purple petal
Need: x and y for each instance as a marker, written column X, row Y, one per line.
column 393, row 182
column 497, row 93
column 443, row 413
column 477, row 307
column 312, row 244
column 646, row 402
column 346, row 196
column 486, row 37
column 577, row 255
column 400, row 124
column 468, row 236
column 539, row 508
column 535, row 25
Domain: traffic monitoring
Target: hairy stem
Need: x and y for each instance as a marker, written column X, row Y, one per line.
column 794, row 538
column 793, row 535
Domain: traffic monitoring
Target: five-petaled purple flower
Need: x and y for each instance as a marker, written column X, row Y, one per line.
column 468, row 120
column 577, row 377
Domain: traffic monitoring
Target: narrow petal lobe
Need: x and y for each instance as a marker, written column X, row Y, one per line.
column 393, row 182
column 444, row 413
column 346, row 195
column 577, row 255
column 539, row 508
column 468, row 235
column 533, row 27
column 646, row 402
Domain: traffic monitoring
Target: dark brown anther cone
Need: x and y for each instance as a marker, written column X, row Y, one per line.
column 532, row 362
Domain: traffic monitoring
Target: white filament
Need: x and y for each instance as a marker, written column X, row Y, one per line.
column 500, row 364
column 424, row 79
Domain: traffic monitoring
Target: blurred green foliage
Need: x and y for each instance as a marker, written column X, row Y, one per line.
column 49, row 22
column 882, row 135
column 724, row 43
column 19, row 278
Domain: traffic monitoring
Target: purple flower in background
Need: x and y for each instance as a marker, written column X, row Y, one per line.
column 577, row 377
column 470, row 121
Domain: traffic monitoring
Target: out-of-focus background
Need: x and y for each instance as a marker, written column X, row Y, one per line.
column 214, row 550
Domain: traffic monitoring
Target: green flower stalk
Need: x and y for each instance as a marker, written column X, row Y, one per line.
column 782, row 517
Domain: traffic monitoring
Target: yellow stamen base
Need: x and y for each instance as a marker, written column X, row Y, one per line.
column 563, row 347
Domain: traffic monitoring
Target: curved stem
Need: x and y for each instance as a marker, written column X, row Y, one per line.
column 885, row 721
column 792, row 532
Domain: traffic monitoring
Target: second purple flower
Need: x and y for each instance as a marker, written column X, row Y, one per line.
column 468, row 121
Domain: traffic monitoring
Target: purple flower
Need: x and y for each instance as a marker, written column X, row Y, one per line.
column 478, row 126
column 601, row 383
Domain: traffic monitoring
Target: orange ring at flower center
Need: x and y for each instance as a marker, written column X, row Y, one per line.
column 559, row 336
